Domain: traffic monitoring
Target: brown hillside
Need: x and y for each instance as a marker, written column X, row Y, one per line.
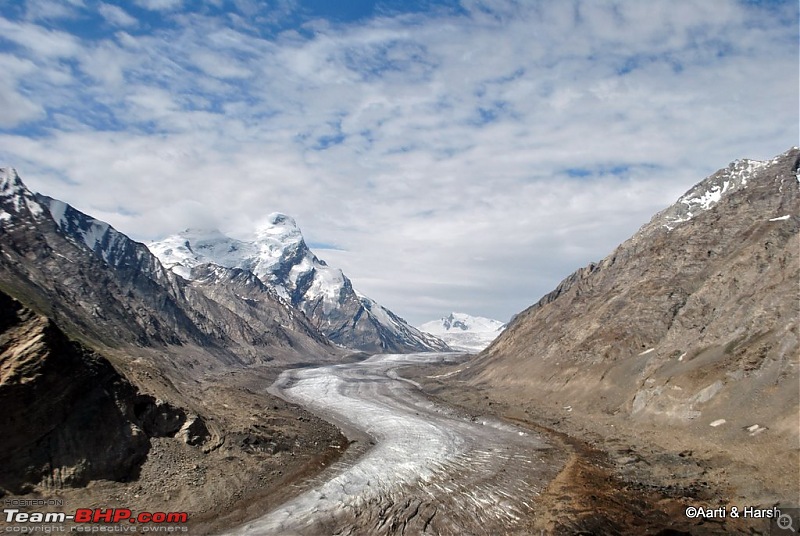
column 692, row 321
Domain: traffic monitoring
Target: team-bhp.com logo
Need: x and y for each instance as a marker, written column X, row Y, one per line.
column 95, row 516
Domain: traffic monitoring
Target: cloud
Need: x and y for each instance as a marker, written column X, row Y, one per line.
column 219, row 66
column 17, row 108
column 52, row 9
column 159, row 5
column 43, row 42
column 116, row 16
column 460, row 159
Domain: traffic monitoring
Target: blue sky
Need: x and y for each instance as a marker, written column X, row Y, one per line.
column 453, row 155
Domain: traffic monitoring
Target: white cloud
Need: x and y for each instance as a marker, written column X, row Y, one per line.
column 17, row 108
column 159, row 5
column 432, row 149
column 52, row 9
column 116, row 16
column 42, row 42
column 219, row 66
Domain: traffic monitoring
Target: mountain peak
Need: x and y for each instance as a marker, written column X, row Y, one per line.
column 464, row 331
column 10, row 183
column 675, row 329
column 280, row 219
column 279, row 226
column 15, row 196
column 280, row 259
column 709, row 192
column 464, row 322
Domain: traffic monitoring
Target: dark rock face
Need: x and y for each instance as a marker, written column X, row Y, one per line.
column 691, row 321
column 361, row 323
column 68, row 416
column 392, row 333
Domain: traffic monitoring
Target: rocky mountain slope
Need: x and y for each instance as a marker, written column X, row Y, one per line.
column 101, row 433
column 107, row 289
column 687, row 332
column 280, row 258
column 54, row 442
column 464, row 332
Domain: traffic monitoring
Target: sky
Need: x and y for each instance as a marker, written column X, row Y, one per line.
column 447, row 155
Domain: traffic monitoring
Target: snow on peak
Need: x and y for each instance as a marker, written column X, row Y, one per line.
column 705, row 195
column 89, row 230
column 465, row 332
column 456, row 322
column 278, row 256
column 191, row 247
column 730, row 179
column 279, row 227
column 102, row 239
column 16, row 195
column 10, row 183
column 105, row 242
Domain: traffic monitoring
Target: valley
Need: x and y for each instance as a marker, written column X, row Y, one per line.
column 422, row 468
column 400, row 268
column 249, row 384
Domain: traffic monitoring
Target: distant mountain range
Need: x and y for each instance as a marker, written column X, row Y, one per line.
column 215, row 291
column 279, row 257
column 464, row 332
column 103, row 288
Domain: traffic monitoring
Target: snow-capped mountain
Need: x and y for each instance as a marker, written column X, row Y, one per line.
column 279, row 257
column 465, row 332
column 105, row 287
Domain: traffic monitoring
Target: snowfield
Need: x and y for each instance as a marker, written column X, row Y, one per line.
column 465, row 332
